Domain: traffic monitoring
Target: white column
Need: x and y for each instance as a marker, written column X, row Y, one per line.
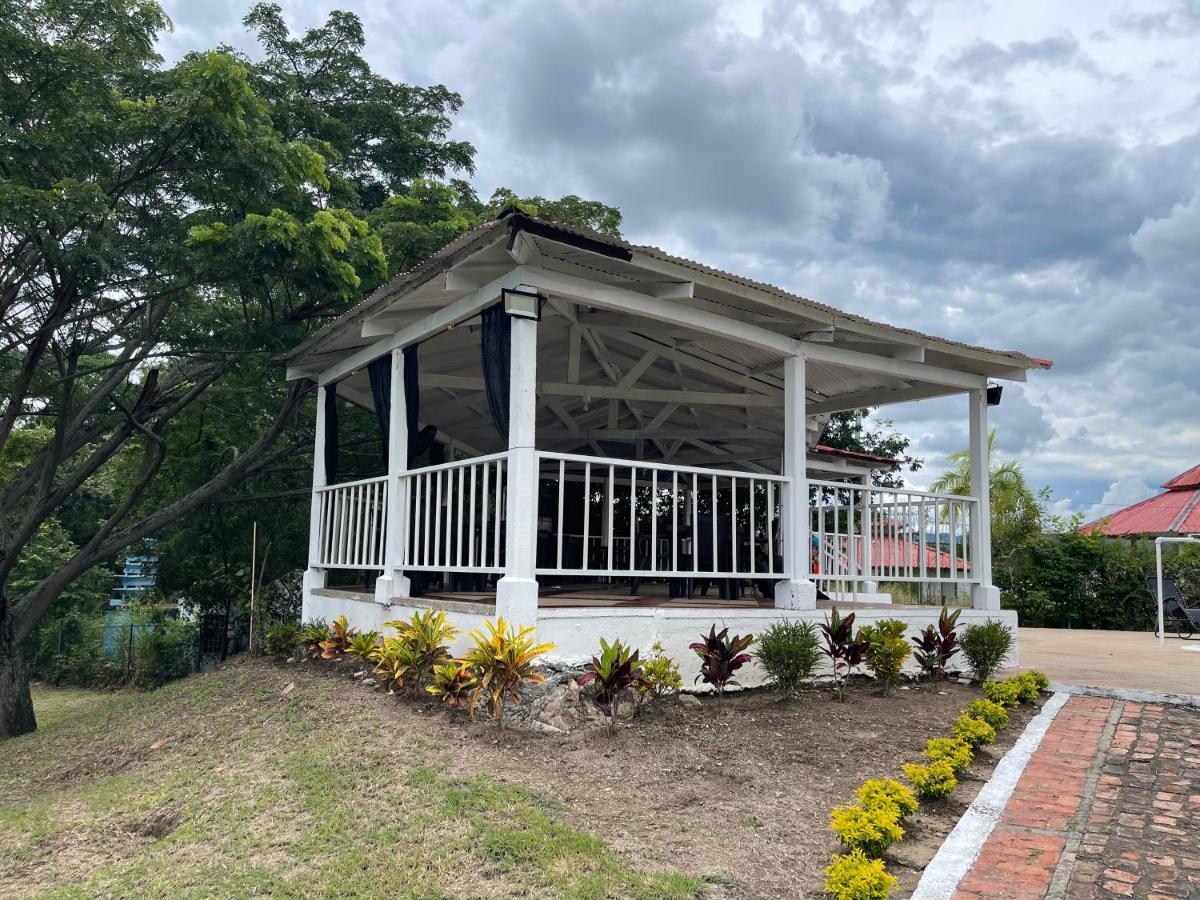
column 392, row 584
column 517, row 591
column 983, row 594
column 869, row 585
column 798, row 592
column 314, row 576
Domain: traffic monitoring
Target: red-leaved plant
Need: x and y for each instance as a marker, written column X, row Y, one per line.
column 721, row 656
column 617, row 673
column 844, row 650
column 935, row 645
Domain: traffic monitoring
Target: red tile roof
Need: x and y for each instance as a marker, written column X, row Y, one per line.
column 1177, row 511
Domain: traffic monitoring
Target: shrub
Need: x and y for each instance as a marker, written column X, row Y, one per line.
column 1039, row 679
column 845, row 652
column 789, row 652
column 501, row 659
column 165, row 650
column 363, row 645
column 869, row 830
column 429, row 635
column 397, row 662
column 721, row 656
column 660, row 674
column 937, row 644
column 985, row 645
column 283, row 638
column 312, row 634
column 991, row 712
column 955, row 752
column 885, row 792
column 1028, row 688
column 886, row 651
column 453, row 684
column 1005, row 693
column 617, row 673
column 975, row 732
column 855, row 876
column 933, row 781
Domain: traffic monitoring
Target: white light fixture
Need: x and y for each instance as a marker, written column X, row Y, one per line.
column 522, row 304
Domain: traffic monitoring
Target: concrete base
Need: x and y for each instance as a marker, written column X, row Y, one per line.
column 394, row 587
column 985, row 597
column 873, row 597
column 517, row 600
column 795, row 595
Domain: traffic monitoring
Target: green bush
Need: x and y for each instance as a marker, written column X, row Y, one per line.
column 1005, row 693
column 789, row 652
column 870, row 830
column 933, row 781
column 887, row 650
column 660, row 674
column 1037, row 678
column 985, row 645
column 163, row 651
column 975, row 732
column 283, row 638
column 855, row 876
column 1028, row 689
column 992, row 713
column 953, row 751
column 887, row 792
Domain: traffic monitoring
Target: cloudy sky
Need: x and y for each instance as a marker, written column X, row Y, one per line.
column 1015, row 174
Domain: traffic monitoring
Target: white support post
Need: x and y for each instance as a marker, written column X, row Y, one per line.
column 984, row 595
column 517, row 591
column 799, row 592
column 393, row 584
column 314, row 577
column 869, row 585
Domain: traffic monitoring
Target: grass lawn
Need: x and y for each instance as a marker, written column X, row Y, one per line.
column 222, row 784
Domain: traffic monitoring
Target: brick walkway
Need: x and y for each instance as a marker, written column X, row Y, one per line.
column 1109, row 806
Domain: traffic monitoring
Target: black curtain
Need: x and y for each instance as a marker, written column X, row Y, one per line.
column 418, row 441
column 496, row 344
column 331, row 434
column 379, row 372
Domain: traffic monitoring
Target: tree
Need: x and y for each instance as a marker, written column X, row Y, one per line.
column 1016, row 509
column 848, row 431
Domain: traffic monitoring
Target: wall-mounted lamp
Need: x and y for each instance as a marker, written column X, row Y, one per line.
column 993, row 394
column 522, row 304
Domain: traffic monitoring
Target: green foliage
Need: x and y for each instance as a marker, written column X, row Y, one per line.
column 313, row 634
column 789, row 652
column 975, row 732
column 660, row 674
column 453, row 684
column 429, row 635
column 1030, row 685
column 985, row 646
column 992, row 713
column 887, row 650
column 397, row 662
column 887, row 792
column 855, row 876
column 616, row 673
column 932, row 781
column 283, row 638
column 845, row 651
column 954, row 752
column 936, row 645
column 163, row 651
column 341, row 633
column 1005, row 693
column 501, row 658
column 869, row 830
column 721, row 656
column 848, row 431
column 363, row 645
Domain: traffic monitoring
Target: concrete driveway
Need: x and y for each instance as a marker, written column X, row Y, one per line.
column 1129, row 660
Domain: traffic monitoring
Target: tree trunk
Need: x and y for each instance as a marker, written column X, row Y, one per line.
column 16, row 703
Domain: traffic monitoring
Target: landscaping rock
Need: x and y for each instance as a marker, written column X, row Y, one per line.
column 687, row 700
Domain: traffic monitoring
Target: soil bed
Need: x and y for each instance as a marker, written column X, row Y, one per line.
column 738, row 792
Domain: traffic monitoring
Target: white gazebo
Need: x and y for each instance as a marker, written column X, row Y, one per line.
column 605, row 439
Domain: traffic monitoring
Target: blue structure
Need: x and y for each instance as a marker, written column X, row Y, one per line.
column 137, row 576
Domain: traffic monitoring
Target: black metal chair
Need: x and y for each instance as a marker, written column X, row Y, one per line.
column 1177, row 615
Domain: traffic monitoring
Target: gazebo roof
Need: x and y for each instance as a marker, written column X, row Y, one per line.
column 1177, row 511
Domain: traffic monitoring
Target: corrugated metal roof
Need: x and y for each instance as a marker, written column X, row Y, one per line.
column 1175, row 512
column 487, row 233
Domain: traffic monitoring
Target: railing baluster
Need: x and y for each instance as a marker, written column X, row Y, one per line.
column 458, row 550
column 609, row 504
column 674, row 521
column 562, row 484
column 716, row 553
column 654, row 520
column 771, row 527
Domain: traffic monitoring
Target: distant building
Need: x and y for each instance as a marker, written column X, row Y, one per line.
column 1174, row 512
column 137, row 576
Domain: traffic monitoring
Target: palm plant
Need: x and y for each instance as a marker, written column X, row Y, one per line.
column 501, row 659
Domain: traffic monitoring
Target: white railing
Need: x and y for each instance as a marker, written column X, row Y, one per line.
column 889, row 534
column 353, row 524
column 601, row 517
column 455, row 515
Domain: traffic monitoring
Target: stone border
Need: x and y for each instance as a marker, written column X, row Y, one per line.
column 1132, row 695
column 958, row 852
